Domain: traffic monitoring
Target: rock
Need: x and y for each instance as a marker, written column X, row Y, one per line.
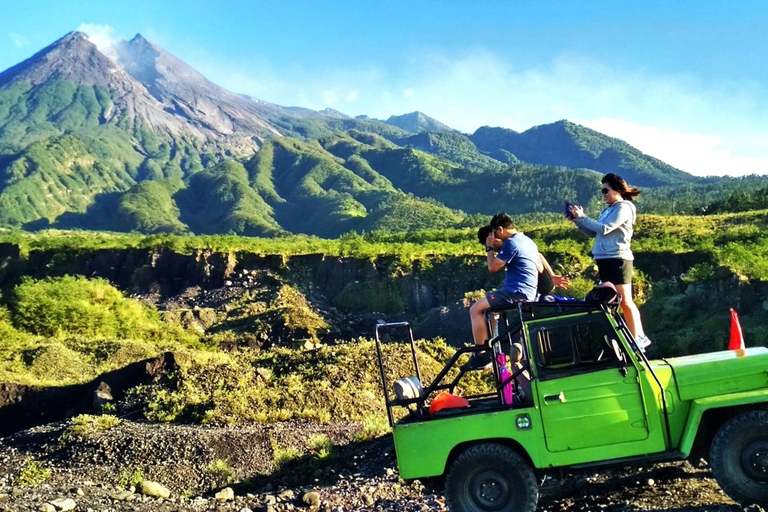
column 286, row 494
column 270, row 499
column 123, row 496
column 150, row 488
column 102, row 396
column 368, row 499
column 64, row 504
column 226, row 494
column 311, row 498
column 80, row 492
column 651, row 482
column 47, row 507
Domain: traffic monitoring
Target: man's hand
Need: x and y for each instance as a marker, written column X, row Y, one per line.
column 490, row 240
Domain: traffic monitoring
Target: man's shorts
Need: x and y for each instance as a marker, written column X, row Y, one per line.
column 504, row 298
column 615, row 270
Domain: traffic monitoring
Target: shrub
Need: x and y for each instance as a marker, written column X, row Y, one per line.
column 75, row 305
column 86, row 425
column 321, row 446
column 221, row 472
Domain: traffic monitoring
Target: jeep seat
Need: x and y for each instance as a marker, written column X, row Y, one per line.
column 407, row 388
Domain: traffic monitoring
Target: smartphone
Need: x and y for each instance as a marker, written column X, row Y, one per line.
column 568, row 210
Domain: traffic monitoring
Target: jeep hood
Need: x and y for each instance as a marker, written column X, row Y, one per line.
column 720, row 373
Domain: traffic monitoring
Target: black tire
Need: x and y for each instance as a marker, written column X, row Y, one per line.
column 490, row 477
column 739, row 458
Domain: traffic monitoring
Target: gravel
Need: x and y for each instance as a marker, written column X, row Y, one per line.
column 233, row 469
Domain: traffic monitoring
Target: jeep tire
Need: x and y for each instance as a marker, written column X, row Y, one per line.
column 490, row 477
column 739, row 458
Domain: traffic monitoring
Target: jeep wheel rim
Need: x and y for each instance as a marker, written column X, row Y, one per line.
column 754, row 460
column 490, row 490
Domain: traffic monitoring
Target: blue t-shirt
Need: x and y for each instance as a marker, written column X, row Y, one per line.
column 522, row 258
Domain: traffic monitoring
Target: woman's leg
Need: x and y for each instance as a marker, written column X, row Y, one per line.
column 631, row 313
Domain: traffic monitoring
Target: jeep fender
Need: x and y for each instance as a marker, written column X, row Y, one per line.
column 757, row 398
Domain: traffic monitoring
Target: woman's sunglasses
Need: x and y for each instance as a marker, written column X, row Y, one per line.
column 605, row 190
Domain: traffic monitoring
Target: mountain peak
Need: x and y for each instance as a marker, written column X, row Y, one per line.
column 332, row 112
column 417, row 122
column 73, row 57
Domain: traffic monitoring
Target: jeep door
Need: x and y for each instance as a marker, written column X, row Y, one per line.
column 588, row 391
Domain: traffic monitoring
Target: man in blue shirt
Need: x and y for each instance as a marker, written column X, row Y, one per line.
column 519, row 257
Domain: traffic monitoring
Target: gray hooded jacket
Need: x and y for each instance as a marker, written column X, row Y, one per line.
column 612, row 231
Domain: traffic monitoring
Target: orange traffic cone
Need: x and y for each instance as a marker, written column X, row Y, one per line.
column 737, row 338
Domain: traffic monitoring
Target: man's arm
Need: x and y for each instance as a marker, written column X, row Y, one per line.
column 494, row 264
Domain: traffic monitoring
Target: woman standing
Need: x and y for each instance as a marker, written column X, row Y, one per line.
column 612, row 232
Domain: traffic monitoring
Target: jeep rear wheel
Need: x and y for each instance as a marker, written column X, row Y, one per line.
column 739, row 458
column 490, row 478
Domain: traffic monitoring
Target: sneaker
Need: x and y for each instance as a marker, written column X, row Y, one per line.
column 478, row 361
column 643, row 342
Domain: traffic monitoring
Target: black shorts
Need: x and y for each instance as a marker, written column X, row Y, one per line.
column 504, row 298
column 615, row 270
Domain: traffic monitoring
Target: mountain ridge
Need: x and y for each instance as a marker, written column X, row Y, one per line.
column 139, row 140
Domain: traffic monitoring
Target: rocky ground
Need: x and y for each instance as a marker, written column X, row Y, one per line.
column 101, row 471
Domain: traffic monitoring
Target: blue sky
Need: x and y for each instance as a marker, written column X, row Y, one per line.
column 684, row 81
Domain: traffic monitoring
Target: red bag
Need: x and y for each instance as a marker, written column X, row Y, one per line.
column 445, row 400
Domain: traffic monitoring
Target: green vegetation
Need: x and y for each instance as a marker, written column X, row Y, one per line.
column 284, row 456
column 33, row 473
column 69, row 329
column 57, row 307
column 130, row 479
column 570, row 145
column 331, row 382
column 222, row 472
column 68, row 160
column 321, row 446
column 87, row 425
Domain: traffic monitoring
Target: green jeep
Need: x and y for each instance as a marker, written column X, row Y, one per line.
column 595, row 401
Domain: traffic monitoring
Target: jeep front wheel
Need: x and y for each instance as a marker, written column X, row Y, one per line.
column 739, row 458
column 490, row 477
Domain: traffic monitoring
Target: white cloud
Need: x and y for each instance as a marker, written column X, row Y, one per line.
column 330, row 98
column 18, row 40
column 102, row 36
column 700, row 127
column 701, row 155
